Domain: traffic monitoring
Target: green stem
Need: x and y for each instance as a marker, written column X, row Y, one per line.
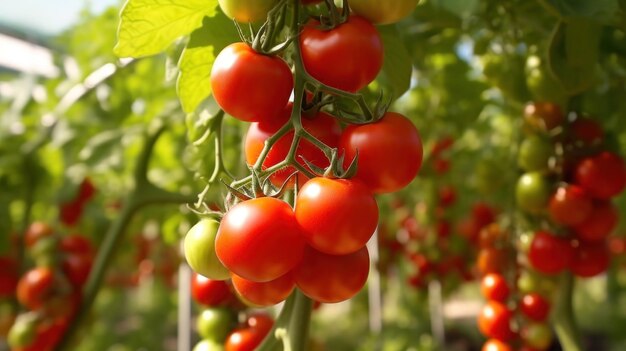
column 563, row 317
column 300, row 321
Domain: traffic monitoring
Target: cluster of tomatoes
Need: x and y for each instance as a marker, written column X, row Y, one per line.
column 217, row 320
column 570, row 180
column 268, row 246
column 50, row 291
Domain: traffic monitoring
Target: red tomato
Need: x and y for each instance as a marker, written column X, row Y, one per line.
column 250, row 86
column 260, row 239
column 535, row 307
column 390, row 152
column 347, row 57
column 332, row 278
column 210, row 292
column 603, row 176
column 483, row 214
column 549, row 254
column 9, row 277
column 587, row 130
column 76, row 268
column 35, row 287
column 490, row 235
column 496, row 345
column 322, row 126
column 441, row 165
column 447, row 195
column 492, row 260
column 444, row 228
column 249, row 337
column 590, row 259
column 599, row 224
column 494, row 321
column 264, row 294
column 76, row 244
column 442, row 145
column 70, row 213
column 543, row 115
column 36, row 231
column 570, row 205
column 494, row 287
column 337, row 216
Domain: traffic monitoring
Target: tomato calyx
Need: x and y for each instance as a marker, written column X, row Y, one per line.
column 335, row 17
column 263, row 40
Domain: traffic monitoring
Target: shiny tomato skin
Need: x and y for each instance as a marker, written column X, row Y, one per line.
column 260, row 239
column 389, row 152
column 590, row 259
column 496, row 345
column 209, row 292
column 494, row 287
column 337, row 216
column 492, row 260
column 570, row 205
column 355, row 43
column 535, row 307
column 9, row 277
column 383, row 12
column 322, row 126
column 266, row 293
column 586, row 130
column 77, row 268
column 35, row 286
column 250, row 86
column 76, row 244
column 599, row 224
column 247, row 11
column 332, row 278
column 249, row 337
column 543, row 115
column 494, row 321
column 199, row 249
column 549, row 254
column 603, row 175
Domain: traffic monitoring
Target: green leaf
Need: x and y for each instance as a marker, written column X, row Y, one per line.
column 147, row 27
column 397, row 65
column 197, row 59
column 603, row 11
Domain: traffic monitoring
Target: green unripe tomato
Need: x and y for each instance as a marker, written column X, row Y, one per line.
column 44, row 252
column 23, row 331
column 383, row 12
column 533, row 282
column 208, row 345
column 537, row 335
column 535, row 153
column 247, row 11
column 200, row 250
column 215, row 324
column 532, row 192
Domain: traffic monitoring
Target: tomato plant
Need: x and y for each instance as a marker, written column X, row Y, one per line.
column 247, row 10
column 495, row 321
column 199, row 246
column 210, row 292
column 549, row 254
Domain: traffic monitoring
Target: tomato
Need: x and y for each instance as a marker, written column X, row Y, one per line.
column 492, row 260
column 70, row 213
column 543, row 115
column 599, row 224
column 389, row 150
column 590, row 259
column 36, row 231
column 249, row 337
column 215, row 323
column 266, row 293
column 332, row 278
column 247, row 11
column 570, row 205
column 337, row 216
column 208, row 345
column 76, row 268
column 441, row 165
column 537, row 335
column 531, row 281
column 483, row 214
column 532, row 192
column 35, row 287
column 199, row 247
column 76, row 244
column 535, row 153
column 494, row 321
column 447, row 195
column 210, row 292
column 250, row 86
column 603, row 176
column 383, row 12
column 494, row 287
column 490, row 235
column 260, row 239
column 496, row 345
column 9, row 276
column 322, row 126
column 587, row 131
column 443, row 228
column 535, row 307
column 549, row 254
column 355, row 46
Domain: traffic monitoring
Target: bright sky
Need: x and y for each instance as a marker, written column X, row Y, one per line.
column 47, row 16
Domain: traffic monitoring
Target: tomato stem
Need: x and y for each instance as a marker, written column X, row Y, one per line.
column 563, row 318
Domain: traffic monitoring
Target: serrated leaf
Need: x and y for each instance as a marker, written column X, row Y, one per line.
column 197, row 59
column 397, row 66
column 147, row 27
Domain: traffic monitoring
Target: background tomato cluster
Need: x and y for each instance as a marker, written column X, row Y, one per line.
column 515, row 216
